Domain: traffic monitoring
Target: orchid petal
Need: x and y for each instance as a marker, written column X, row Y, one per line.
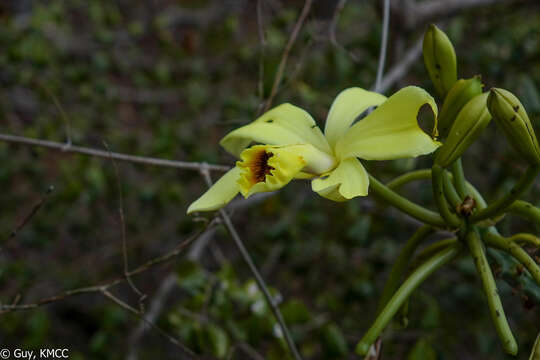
column 347, row 106
column 221, row 193
column 285, row 124
column 348, row 180
column 391, row 131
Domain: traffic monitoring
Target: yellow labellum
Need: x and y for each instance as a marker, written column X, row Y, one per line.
column 268, row 168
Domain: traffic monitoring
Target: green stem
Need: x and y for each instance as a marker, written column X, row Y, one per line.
column 526, row 210
column 404, row 291
column 438, row 194
column 516, row 251
column 535, row 352
column 408, row 177
column 405, row 205
column 400, row 265
column 498, row 206
column 490, row 289
column 480, row 202
column 525, row 238
column 428, row 251
column 459, row 178
column 450, row 191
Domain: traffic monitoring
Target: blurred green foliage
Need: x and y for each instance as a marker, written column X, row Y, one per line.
column 168, row 79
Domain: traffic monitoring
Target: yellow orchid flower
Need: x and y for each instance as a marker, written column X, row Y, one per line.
column 293, row 146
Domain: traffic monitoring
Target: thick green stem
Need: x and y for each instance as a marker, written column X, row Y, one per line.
column 516, row 251
column 459, row 178
column 490, row 289
column 526, row 210
column 450, row 191
column 525, row 238
column 438, row 194
column 535, row 352
column 404, row 291
column 400, row 265
column 480, row 202
column 405, row 205
column 409, row 177
column 428, row 251
column 500, row 205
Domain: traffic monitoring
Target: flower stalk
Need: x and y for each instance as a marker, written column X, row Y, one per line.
column 500, row 205
column 414, row 210
column 400, row 265
column 401, row 295
column 490, row 289
column 450, row 219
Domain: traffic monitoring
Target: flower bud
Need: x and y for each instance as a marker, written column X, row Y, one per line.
column 512, row 118
column 440, row 59
column 469, row 124
column 462, row 91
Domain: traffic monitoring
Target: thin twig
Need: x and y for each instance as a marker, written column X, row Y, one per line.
column 159, row 299
column 258, row 278
column 121, row 214
column 60, row 109
column 398, row 71
column 334, row 22
column 262, row 47
column 31, row 214
column 4, row 308
column 162, row 332
column 384, row 42
column 332, row 31
column 105, row 154
column 285, row 56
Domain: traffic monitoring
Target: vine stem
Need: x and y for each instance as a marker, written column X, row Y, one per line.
column 450, row 190
column 404, row 291
column 516, row 251
column 409, row 177
column 526, row 210
column 490, row 289
column 400, row 265
column 525, row 238
column 405, row 205
column 459, row 178
column 504, row 202
column 438, row 194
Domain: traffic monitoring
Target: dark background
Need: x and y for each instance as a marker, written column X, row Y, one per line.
column 168, row 79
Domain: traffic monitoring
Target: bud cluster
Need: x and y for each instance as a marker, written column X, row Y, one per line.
column 466, row 111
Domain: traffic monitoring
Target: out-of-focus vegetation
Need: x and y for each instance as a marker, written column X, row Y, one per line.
column 168, row 79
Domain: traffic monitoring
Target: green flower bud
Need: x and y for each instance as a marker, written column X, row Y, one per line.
column 462, row 91
column 440, row 59
column 511, row 116
column 469, row 124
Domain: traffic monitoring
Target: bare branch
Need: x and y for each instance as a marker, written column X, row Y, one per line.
column 4, row 308
column 30, row 215
column 285, row 57
column 123, row 231
column 262, row 47
column 105, row 154
column 162, row 332
column 384, row 43
column 165, row 288
column 398, row 71
column 258, row 278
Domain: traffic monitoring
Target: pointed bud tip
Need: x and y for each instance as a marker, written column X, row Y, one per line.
column 511, row 117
